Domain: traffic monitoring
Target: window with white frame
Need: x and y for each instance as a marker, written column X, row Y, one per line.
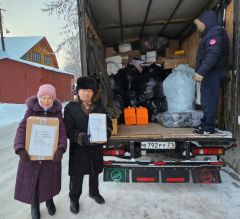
column 48, row 60
column 36, row 57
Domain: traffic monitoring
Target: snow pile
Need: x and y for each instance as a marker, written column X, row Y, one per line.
column 123, row 200
column 10, row 116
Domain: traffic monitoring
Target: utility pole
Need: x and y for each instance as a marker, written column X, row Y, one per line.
column 82, row 36
column 1, row 29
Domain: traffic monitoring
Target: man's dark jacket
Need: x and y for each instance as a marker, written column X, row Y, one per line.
column 83, row 159
column 213, row 48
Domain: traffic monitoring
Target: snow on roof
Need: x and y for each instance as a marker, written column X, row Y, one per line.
column 4, row 55
column 42, row 66
column 16, row 47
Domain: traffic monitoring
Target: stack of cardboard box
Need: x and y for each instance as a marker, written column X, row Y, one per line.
column 174, row 56
column 124, row 52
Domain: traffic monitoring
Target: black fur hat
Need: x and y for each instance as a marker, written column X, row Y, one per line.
column 87, row 83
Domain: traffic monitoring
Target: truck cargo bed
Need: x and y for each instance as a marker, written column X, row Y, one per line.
column 155, row 131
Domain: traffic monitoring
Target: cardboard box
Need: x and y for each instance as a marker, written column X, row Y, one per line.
column 109, row 52
column 115, row 126
column 179, row 53
column 125, row 58
column 151, row 59
column 151, row 54
column 170, row 52
column 160, row 60
column 174, row 44
column 42, row 137
column 134, row 54
column 172, row 63
column 115, row 59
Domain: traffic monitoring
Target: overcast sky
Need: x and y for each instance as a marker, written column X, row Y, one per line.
column 25, row 18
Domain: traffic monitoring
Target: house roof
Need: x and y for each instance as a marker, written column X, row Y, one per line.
column 16, row 47
column 5, row 55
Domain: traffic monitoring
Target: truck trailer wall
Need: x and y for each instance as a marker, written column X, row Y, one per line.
column 227, row 103
column 232, row 156
column 232, row 92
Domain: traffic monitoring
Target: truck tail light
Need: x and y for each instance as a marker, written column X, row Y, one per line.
column 172, row 179
column 145, row 179
column 208, row 151
column 113, row 152
column 107, row 162
column 159, row 163
column 217, row 163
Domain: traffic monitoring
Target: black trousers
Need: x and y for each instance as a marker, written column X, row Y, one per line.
column 210, row 92
column 75, row 186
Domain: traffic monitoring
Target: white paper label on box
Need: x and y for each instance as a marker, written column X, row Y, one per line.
column 42, row 140
column 238, row 120
column 97, row 127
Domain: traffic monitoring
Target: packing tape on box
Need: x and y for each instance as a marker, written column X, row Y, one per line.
column 43, row 121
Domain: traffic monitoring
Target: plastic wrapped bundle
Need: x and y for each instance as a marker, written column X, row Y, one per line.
column 179, row 88
column 180, row 120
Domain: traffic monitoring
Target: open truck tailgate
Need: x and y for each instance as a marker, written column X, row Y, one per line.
column 155, row 131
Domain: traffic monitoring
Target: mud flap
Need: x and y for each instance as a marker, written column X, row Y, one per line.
column 206, row 175
column 116, row 174
column 175, row 175
column 145, row 175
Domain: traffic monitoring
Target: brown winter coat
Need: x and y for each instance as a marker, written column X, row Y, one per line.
column 46, row 175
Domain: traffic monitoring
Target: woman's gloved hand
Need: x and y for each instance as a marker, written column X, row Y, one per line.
column 23, row 154
column 58, row 155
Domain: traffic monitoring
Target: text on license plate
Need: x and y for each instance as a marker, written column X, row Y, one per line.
column 158, row 145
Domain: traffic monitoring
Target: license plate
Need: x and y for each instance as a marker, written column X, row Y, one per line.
column 158, row 145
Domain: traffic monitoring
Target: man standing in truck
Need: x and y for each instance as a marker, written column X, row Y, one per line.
column 212, row 61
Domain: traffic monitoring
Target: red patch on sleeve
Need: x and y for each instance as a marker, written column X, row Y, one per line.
column 212, row 42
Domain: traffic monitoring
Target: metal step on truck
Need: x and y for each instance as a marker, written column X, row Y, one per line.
column 153, row 153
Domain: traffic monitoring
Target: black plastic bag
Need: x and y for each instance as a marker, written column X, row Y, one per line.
column 116, row 82
column 128, row 76
column 149, row 84
column 153, row 43
column 156, row 106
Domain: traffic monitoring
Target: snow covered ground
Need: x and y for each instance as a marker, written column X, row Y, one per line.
column 129, row 201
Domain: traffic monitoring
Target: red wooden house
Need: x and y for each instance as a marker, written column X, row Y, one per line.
column 27, row 63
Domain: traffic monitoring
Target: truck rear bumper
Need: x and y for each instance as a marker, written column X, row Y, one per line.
column 165, row 172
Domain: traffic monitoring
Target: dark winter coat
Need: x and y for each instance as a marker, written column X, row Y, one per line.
column 83, row 159
column 213, row 49
column 45, row 174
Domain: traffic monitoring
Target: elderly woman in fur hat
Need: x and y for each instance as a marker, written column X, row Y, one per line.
column 39, row 181
column 85, row 158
